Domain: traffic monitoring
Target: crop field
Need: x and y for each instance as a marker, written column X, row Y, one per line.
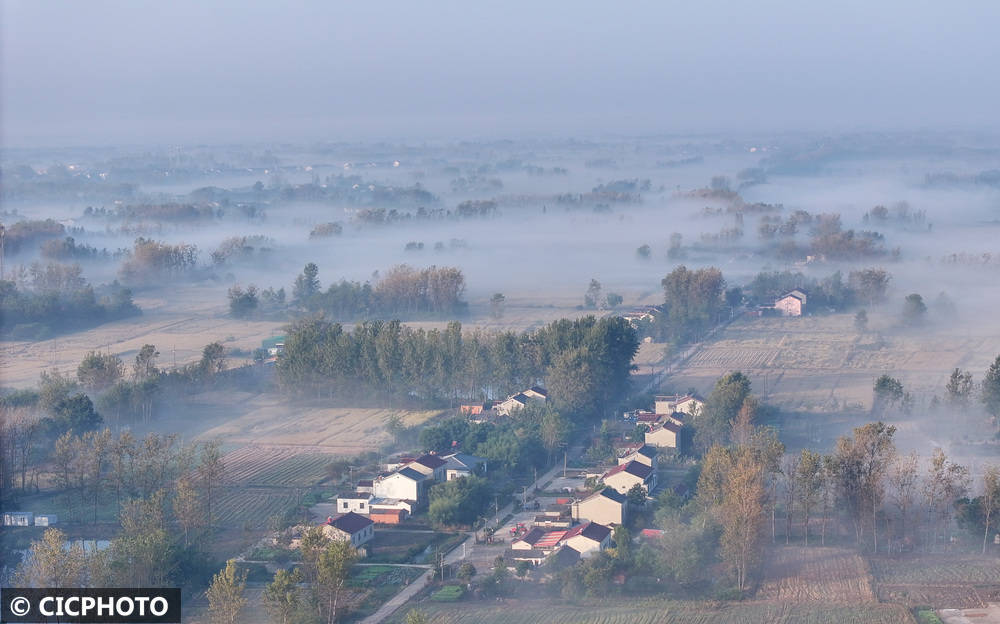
column 944, row 582
column 275, row 466
column 251, row 507
column 816, row 363
column 638, row 611
column 825, row 575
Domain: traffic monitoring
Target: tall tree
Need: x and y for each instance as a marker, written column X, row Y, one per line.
column 187, row 506
column 959, row 388
column 693, row 300
column 991, row 498
column 743, row 517
column 306, row 285
column 886, row 393
column 145, row 363
column 50, row 563
column 991, row 389
column 225, row 595
column 809, row 477
column 211, row 471
column 903, row 481
column 861, row 464
column 722, row 406
column 332, row 569
column 97, row 371
column 790, row 472
column 946, row 482
column 281, row 596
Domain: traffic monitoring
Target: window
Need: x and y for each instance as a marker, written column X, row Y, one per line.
column 343, row 504
column 362, row 505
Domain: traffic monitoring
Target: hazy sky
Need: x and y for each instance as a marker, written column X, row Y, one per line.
column 182, row 71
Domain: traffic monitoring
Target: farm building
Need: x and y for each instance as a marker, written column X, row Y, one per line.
column 641, row 315
column 624, row 476
column 350, row 527
column 18, row 518
column 792, row 303
column 664, row 435
column 46, row 519
column 463, row 465
column 521, row 400
column 588, row 538
column 365, row 485
column 606, row 506
column 387, row 515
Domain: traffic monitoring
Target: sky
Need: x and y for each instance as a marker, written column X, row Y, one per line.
column 97, row 72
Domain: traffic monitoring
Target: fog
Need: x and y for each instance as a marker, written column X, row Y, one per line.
column 103, row 73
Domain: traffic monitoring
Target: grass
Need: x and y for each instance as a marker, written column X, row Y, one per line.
column 928, row 616
column 401, row 547
column 382, row 582
column 660, row 611
column 448, row 593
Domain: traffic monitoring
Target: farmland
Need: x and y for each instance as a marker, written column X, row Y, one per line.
column 251, row 508
column 653, row 611
column 275, row 466
column 829, row 575
column 952, row 582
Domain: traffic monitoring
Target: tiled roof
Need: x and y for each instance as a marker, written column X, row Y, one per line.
column 411, row 474
column 430, row 461
column 634, row 468
column 350, row 522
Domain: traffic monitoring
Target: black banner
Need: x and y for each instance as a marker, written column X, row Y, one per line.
column 151, row 605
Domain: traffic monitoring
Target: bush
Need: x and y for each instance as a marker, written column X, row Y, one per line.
column 926, row 615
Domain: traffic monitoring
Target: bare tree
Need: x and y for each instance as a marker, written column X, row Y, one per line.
column 903, row 481
column 810, row 478
column 946, row 482
column 789, row 472
column 991, row 498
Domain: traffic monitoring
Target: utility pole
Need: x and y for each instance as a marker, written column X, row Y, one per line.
column 3, row 234
column 496, row 508
column 564, row 462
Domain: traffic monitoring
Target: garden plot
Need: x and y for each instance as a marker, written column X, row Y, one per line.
column 825, row 575
column 943, row 582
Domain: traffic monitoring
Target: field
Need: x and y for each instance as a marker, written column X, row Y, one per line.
column 251, row 507
column 827, row 575
column 643, row 611
column 275, row 466
column 944, row 582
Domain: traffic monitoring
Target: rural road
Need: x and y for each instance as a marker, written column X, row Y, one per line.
column 454, row 556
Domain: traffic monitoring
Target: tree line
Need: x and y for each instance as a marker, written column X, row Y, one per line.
column 584, row 363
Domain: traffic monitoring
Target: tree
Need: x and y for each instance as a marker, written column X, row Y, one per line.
column 742, row 517
column 497, row 302
column 145, row 363
column 613, row 300
column 959, row 388
column 225, row 595
column 593, row 296
column 210, row 470
column 990, row 498
column 636, row 495
column 887, row 392
column 870, row 285
column 281, row 596
column 946, row 482
column 522, row 568
column 903, row 480
column 243, row 303
column 50, row 564
column 394, row 425
column 97, row 371
column 809, row 477
column 861, row 462
column 914, row 309
column 213, row 360
column 306, row 286
column 187, row 506
column 721, row 407
column 459, row 501
column 790, row 471
column 75, row 413
column 466, row 571
column 414, row 616
column 991, row 389
column 332, row 569
column 693, row 300
column 644, row 252
column 861, row 321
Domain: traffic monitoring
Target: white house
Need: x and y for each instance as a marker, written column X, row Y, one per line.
column 685, row 403
column 463, row 465
column 606, row 506
column 429, row 465
column 645, row 454
column 588, row 539
column 625, row 476
column 665, row 435
column 350, row 527
column 18, row 518
column 357, row 502
column 792, row 303
column 520, row 400
column 404, row 484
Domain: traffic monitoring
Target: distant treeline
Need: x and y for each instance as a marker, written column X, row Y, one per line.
column 151, row 260
column 403, row 291
column 466, row 210
column 25, row 234
column 585, row 363
column 862, row 287
column 59, row 300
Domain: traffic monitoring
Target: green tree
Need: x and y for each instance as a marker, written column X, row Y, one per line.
column 414, row 616
column 306, row 286
column 145, row 363
column 211, row 471
column 914, row 309
column 809, row 477
column 332, row 569
column 693, row 301
column 861, row 321
column 887, row 392
column 225, row 595
column 991, row 389
column 243, row 303
column 50, row 564
column 613, row 300
column 860, row 464
column 281, row 596
column 187, row 506
column 466, row 571
column 522, row 568
column 644, row 252
column 959, row 388
column 75, row 413
column 593, row 296
column 636, row 495
column 722, row 406
column 97, row 371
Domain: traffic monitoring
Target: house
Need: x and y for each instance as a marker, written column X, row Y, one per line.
column 665, row 435
column 430, row 465
column 463, row 465
column 532, row 556
column 792, row 303
column 405, row 484
column 625, row 476
column 349, row 527
column 357, row 502
column 365, row 485
column 645, row 454
column 641, row 315
column 46, row 519
column 685, row 403
column 606, row 506
column 520, row 400
column 554, row 517
column 18, row 518
column 562, row 558
column 589, row 538
column 528, row 540
column 647, row 418
column 536, row 393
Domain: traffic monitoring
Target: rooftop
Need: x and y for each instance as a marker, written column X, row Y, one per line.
column 349, row 522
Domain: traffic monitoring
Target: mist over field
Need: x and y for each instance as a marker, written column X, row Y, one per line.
column 459, row 313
